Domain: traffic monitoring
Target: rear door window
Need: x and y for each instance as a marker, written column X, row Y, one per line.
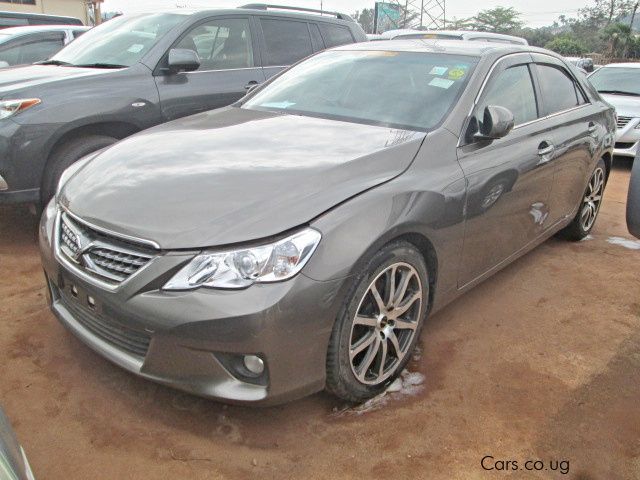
column 559, row 90
column 286, row 41
column 335, row 35
column 316, row 38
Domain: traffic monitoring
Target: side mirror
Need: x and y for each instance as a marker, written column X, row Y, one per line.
column 183, row 60
column 633, row 200
column 497, row 122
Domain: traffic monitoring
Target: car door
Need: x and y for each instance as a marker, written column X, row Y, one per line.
column 509, row 180
column 285, row 41
column 229, row 67
column 579, row 126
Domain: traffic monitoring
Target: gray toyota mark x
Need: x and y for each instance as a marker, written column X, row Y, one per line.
column 299, row 239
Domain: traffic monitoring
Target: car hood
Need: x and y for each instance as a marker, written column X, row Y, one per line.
column 625, row 105
column 18, row 78
column 233, row 175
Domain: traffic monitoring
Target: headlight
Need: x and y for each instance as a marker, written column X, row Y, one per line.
column 9, row 108
column 241, row 268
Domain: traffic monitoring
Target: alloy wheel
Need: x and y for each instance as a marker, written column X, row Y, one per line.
column 385, row 323
column 592, row 200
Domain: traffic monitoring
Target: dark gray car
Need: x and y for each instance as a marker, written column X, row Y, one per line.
column 134, row 72
column 633, row 199
column 298, row 239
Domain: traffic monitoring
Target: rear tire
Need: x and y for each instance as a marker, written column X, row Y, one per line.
column 585, row 219
column 379, row 324
column 66, row 155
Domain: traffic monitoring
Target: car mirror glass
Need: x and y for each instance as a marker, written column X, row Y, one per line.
column 496, row 123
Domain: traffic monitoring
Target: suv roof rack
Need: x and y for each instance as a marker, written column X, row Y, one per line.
column 265, row 6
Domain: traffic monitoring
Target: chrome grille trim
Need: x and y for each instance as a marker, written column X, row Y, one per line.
column 101, row 255
column 623, row 121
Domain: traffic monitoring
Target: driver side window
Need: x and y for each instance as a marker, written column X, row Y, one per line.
column 512, row 89
column 221, row 44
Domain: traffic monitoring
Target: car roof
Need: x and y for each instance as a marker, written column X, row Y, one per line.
column 454, row 47
column 274, row 12
column 40, row 28
column 622, row 65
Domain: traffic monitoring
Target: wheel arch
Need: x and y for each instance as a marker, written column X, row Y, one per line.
column 115, row 129
column 608, row 162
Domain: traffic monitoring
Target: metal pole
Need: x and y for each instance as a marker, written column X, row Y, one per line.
column 421, row 12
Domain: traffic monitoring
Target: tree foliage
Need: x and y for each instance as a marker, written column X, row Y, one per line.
column 602, row 26
column 498, row 20
column 566, row 45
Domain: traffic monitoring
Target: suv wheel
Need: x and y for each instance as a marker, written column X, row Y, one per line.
column 378, row 328
column 65, row 156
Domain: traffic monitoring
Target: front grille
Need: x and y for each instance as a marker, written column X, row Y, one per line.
column 623, row 121
column 132, row 341
column 105, row 256
column 624, row 145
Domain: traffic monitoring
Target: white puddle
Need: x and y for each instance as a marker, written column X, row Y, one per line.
column 408, row 384
column 587, row 238
column 624, row 242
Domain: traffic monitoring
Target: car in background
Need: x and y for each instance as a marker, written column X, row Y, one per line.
column 298, row 239
column 24, row 45
column 633, row 200
column 583, row 63
column 13, row 461
column 20, row 19
column 408, row 34
column 619, row 84
column 137, row 71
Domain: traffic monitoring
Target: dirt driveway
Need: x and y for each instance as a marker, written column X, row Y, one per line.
column 541, row 362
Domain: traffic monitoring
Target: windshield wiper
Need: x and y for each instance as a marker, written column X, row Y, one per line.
column 100, row 65
column 58, row 63
column 619, row 92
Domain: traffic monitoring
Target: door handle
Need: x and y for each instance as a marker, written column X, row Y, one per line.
column 250, row 85
column 545, row 151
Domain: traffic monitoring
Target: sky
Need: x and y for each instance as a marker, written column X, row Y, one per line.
column 534, row 13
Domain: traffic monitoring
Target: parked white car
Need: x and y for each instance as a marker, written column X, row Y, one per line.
column 24, row 45
column 407, row 34
column 619, row 84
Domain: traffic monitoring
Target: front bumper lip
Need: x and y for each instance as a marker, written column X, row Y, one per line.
column 193, row 335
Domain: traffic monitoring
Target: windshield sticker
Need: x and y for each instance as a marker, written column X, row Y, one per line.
column 441, row 82
column 438, row 71
column 135, row 48
column 284, row 104
column 457, row 72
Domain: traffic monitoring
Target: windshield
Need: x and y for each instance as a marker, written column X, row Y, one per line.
column 397, row 89
column 617, row 80
column 122, row 41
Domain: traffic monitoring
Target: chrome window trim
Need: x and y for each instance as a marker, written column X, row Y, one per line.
column 221, row 70
column 128, row 238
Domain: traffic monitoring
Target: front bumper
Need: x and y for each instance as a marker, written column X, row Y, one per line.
column 195, row 340
column 627, row 139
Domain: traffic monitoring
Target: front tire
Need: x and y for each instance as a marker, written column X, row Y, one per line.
column 379, row 325
column 585, row 219
column 65, row 156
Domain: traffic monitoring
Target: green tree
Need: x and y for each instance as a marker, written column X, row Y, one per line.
column 365, row 19
column 603, row 12
column 498, row 20
column 460, row 23
column 619, row 40
column 566, row 45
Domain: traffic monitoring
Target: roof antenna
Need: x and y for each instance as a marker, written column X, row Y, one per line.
column 321, row 9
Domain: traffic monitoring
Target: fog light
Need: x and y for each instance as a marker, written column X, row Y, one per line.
column 254, row 364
